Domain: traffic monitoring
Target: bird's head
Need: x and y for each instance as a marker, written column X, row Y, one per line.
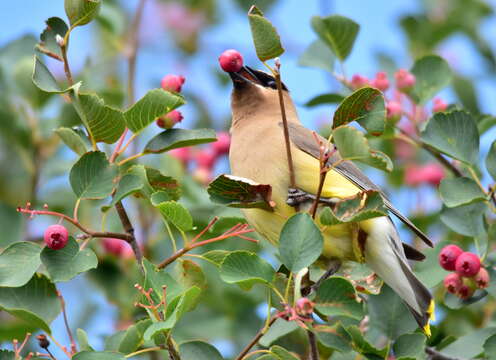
column 255, row 93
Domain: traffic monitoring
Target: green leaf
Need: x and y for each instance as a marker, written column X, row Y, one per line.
column 156, row 279
column 282, row 354
column 460, row 191
column 177, row 138
column 174, row 212
column 72, row 139
column 428, row 271
column 129, row 184
column 365, row 106
column 389, row 315
column 410, row 346
column 363, row 278
column 361, row 345
column 334, row 337
column 7, row 355
column 35, row 303
column 454, row 134
column 155, row 103
column 12, row 223
column 55, row 26
column 491, row 160
column 467, row 220
column 432, row 73
column 337, row 297
column 18, row 263
column 300, row 242
column 490, row 347
column 351, row 143
column 133, row 337
column 198, row 350
column 365, row 205
column 81, row 12
column 470, row 345
column 246, row 268
column 104, row 123
column 237, row 192
column 191, row 274
column 215, row 257
column 162, row 183
column 325, row 99
column 338, row 32
column 159, row 327
column 82, row 339
column 92, row 176
column 318, row 55
column 98, row 355
column 66, row 263
column 279, row 329
column 265, row 37
column 45, row 81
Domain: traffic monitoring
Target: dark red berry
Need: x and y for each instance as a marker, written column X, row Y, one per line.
column 304, row 306
column 453, row 282
column 467, row 264
column 173, row 82
column 465, row 291
column 231, row 61
column 448, row 256
column 170, row 119
column 482, row 278
column 56, row 237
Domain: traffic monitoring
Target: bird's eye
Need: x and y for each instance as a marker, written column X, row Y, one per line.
column 272, row 84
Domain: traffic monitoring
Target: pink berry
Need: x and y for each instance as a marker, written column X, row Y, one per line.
column 205, row 159
column 304, row 306
column 482, row 278
column 113, row 246
column 170, row 119
column 404, row 80
column 231, row 61
column 439, row 105
column 56, row 237
column 453, row 282
column 381, row 81
column 465, row 291
column 173, row 82
column 431, row 174
column 358, row 81
column 182, row 154
column 393, row 110
column 467, row 264
column 448, row 255
column 221, row 146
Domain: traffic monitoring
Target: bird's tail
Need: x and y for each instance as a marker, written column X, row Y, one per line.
column 384, row 255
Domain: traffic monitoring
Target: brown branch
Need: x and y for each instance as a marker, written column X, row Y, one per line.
column 95, row 234
column 445, row 162
column 292, row 178
column 312, row 342
column 323, row 157
column 436, row 355
column 66, row 323
column 173, row 354
column 129, row 229
column 255, row 340
column 67, row 69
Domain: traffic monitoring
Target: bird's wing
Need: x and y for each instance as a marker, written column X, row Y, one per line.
column 304, row 139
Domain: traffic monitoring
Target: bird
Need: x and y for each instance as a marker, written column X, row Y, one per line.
column 258, row 153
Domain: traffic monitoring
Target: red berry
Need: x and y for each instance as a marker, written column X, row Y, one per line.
column 170, row 119
column 304, row 306
column 453, row 282
column 231, row 61
column 381, row 81
column 404, row 79
column 439, row 105
column 393, row 110
column 482, row 278
column 467, row 264
column 465, row 291
column 221, row 146
column 358, row 81
column 448, row 256
column 173, row 82
column 113, row 246
column 205, row 159
column 56, row 237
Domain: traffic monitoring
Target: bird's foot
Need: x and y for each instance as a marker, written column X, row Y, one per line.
column 296, row 197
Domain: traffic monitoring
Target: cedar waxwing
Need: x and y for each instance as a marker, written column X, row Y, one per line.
column 258, row 153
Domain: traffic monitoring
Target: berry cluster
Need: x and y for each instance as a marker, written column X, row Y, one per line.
column 468, row 273
column 172, row 83
column 204, row 158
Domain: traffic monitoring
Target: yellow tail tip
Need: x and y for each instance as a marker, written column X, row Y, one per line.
column 432, row 317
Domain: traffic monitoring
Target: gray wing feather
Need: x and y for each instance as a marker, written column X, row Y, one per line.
column 304, row 140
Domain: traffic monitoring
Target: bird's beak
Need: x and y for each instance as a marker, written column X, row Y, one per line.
column 244, row 77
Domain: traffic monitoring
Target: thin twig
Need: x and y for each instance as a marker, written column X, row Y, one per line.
column 312, row 342
column 255, row 340
column 436, row 355
column 66, row 323
column 292, row 178
column 173, row 354
column 129, row 229
column 95, row 234
column 323, row 157
column 155, row 348
column 67, row 69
